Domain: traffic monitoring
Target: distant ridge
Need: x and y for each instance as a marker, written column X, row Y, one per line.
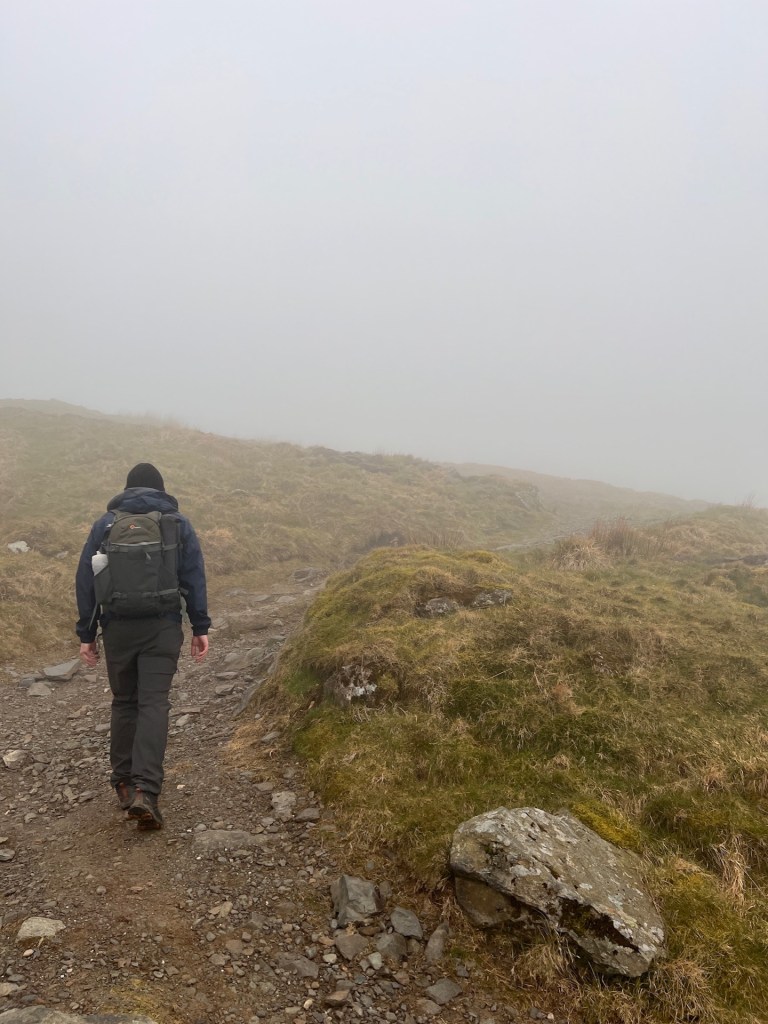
column 50, row 407
column 577, row 503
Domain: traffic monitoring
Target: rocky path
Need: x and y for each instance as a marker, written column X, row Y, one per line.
column 226, row 914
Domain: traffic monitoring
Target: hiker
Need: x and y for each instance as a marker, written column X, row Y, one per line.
column 139, row 559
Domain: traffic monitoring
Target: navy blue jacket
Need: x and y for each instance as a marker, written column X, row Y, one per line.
column 191, row 567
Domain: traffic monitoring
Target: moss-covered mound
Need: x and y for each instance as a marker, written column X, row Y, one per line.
column 633, row 692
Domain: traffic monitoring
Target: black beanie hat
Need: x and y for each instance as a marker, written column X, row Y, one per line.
column 145, row 475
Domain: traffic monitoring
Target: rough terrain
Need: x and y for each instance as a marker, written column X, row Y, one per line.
column 226, row 914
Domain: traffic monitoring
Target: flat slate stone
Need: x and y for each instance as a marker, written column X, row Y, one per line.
column 406, row 923
column 309, row 814
column 39, row 928
column 297, row 964
column 392, row 947
column 64, row 671
column 436, row 945
column 443, row 991
column 39, row 690
column 350, row 946
column 225, row 839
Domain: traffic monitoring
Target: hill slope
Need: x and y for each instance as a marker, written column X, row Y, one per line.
column 577, row 503
column 255, row 505
column 633, row 691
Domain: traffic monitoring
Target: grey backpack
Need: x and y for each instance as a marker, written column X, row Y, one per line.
column 140, row 578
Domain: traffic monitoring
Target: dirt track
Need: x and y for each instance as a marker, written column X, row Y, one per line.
column 164, row 923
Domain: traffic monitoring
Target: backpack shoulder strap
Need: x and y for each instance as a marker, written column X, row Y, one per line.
column 170, row 531
column 105, row 535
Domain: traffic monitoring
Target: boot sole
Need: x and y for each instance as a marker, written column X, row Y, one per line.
column 145, row 819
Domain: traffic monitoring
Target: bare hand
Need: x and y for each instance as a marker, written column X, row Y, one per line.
column 90, row 654
column 199, row 647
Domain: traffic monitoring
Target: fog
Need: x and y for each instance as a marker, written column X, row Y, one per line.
column 532, row 234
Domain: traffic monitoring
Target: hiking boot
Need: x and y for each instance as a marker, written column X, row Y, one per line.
column 144, row 808
column 126, row 791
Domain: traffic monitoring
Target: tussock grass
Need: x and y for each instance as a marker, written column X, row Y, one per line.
column 633, row 692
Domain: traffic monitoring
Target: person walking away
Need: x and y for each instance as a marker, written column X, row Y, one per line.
column 140, row 558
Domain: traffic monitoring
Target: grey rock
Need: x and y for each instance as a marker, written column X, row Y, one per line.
column 39, row 928
column 64, row 671
column 350, row 683
column 270, row 737
column 39, row 690
column 308, row 575
column 226, row 839
column 427, row 1008
column 354, row 899
column 436, row 946
column 183, row 720
column 350, row 946
column 406, row 923
column 392, row 947
column 7, row 988
column 337, row 998
column 437, row 608
column 238, row 661
column 15, row 758
column 300, row 965
column 224, row 689
column 283, row 804
column 309, row 814
column 528, row 867
column 489, row 598
column 6, row 854
column 443, row 991
column 19, row 547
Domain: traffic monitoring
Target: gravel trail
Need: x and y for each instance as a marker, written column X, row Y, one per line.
column 224, row 915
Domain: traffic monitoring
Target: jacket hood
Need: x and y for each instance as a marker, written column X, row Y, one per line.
column 143, row 499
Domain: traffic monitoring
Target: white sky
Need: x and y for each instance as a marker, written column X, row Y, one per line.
column 523, row 233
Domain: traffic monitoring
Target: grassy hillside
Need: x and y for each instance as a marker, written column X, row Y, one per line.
column 576, row 504
column 626, row 679
column 255, row 505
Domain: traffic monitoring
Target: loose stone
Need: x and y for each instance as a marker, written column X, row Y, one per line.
column 406, row 923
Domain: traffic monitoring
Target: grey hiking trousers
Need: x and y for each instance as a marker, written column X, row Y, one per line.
column 142, row 656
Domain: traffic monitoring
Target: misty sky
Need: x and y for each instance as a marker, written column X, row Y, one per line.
column 524, row 233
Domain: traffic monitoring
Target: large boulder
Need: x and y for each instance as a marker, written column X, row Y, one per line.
column 527, row 867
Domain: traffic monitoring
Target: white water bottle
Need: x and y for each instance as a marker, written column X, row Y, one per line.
column 99, row 562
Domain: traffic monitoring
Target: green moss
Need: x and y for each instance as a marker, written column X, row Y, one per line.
column 634, row 697
column 611, row 824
